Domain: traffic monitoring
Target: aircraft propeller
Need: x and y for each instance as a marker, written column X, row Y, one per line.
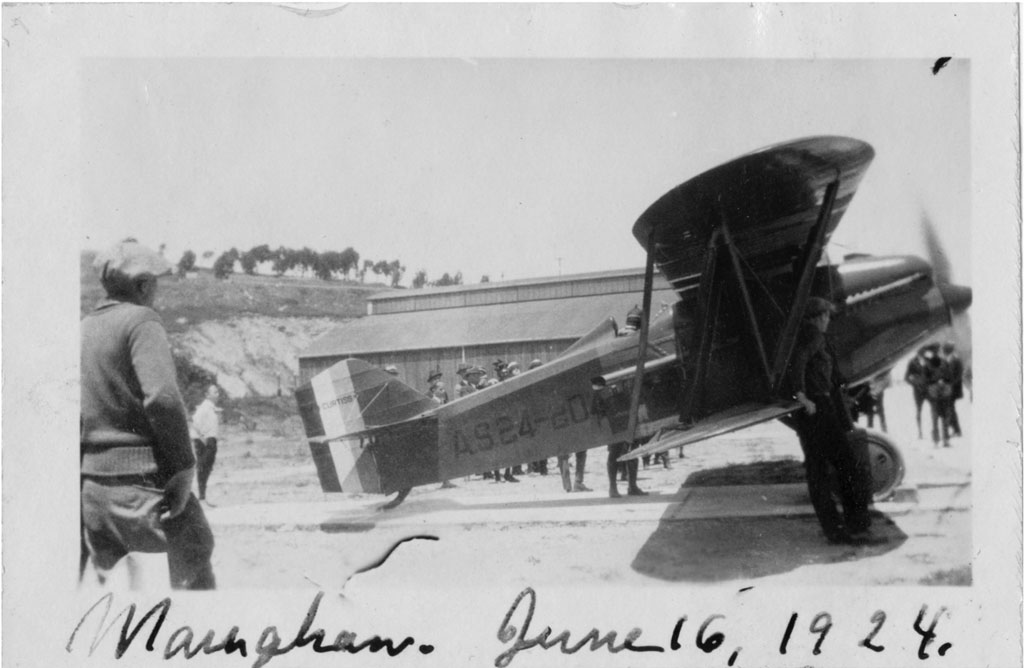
column 956, row 297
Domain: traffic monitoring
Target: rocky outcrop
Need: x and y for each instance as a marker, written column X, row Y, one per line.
column 251, row 356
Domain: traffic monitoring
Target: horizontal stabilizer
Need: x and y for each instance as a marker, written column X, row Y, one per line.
column 713, row 425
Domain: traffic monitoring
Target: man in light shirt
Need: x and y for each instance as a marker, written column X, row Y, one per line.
column 206, row 424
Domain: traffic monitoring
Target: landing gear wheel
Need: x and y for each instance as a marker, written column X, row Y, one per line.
column 886, row 465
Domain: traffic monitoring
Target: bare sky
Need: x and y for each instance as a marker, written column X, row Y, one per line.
column 512, row 167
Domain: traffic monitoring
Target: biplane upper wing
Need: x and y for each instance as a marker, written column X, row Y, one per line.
column 767, row 201
column 724, row 422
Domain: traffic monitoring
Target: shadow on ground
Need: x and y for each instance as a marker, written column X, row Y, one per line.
column 728, row 548
column 425, row 505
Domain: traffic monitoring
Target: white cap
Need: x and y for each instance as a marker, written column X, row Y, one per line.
column 132, row 259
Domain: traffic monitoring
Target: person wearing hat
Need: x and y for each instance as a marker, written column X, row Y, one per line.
column 823, row 428
column 437, row 390
column 439, row 394
column 137, row 464
column 465, row 385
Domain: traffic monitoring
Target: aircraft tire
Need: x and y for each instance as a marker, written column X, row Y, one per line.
column 887, row 467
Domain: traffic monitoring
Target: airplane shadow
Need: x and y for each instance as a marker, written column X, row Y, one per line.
column 367, row 520
column 716, row 549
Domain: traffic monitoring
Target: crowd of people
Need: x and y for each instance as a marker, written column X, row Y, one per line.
column 936, row 374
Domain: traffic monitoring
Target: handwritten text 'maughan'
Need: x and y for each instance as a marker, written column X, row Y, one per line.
column 268, row 645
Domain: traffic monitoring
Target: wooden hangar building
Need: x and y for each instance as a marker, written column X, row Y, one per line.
column 424, row 329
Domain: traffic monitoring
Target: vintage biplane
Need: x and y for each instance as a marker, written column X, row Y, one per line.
column 743, row 246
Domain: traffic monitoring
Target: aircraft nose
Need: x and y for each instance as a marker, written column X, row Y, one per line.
column 957, row 297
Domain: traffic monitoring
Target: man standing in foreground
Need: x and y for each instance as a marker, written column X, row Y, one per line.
column 207, row 425
column 137, row 462
column 824, row 427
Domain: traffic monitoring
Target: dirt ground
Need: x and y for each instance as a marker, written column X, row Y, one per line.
column 733, row 508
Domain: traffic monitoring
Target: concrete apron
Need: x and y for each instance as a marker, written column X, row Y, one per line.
column 776, row 500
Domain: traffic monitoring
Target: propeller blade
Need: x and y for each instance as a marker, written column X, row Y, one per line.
column 941, row 268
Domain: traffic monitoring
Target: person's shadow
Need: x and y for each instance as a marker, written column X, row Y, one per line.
column 717, row 549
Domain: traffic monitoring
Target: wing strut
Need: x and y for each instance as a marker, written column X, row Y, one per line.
column 707, row 294
column 645, row 319
column 809, row 260
column 737, row 271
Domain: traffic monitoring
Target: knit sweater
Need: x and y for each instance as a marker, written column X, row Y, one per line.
column 133, row 417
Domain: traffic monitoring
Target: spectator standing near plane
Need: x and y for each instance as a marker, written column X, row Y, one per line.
column 206, row 423
column 915, row 378
column 137, row 464
column 824, row 427
column 500, row 372
column 956, row 373
column 634, row 321
column 439, row 394
column 939, row 390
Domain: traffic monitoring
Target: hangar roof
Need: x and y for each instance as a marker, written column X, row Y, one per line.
column 541, row 320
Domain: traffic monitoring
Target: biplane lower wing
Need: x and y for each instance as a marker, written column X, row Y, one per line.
column 724, row 422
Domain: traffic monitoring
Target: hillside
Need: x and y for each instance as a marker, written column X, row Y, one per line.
column 246, row 331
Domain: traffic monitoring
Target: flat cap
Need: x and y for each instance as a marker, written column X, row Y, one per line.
column 132, row 259
column 816, row 306
column 434, row 375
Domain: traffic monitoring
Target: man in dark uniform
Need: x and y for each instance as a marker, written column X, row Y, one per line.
column 137, row 463
column 939, row 389
column 956, row 374
column 823, row 428
column 915, row 378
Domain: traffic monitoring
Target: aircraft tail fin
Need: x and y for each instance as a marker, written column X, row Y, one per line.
column 352, row 397
column 348, row 400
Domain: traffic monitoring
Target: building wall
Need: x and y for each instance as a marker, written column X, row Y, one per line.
column 415, row 366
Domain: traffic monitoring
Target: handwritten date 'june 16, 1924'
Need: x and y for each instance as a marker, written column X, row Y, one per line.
column 707, row 639
column 514, row 633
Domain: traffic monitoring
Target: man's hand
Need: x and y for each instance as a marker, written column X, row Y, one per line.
column 806, row 403
column 176, row 493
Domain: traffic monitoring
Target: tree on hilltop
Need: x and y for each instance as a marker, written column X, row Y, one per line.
column 419, row 279
column 248, row 262
column 187, row 262
column 397, row 270
column 367, row 266
column 447, row 280
column 224, row 265
column 348, row 260
column 327, row 264
column 306, row 259
column 283, row 260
